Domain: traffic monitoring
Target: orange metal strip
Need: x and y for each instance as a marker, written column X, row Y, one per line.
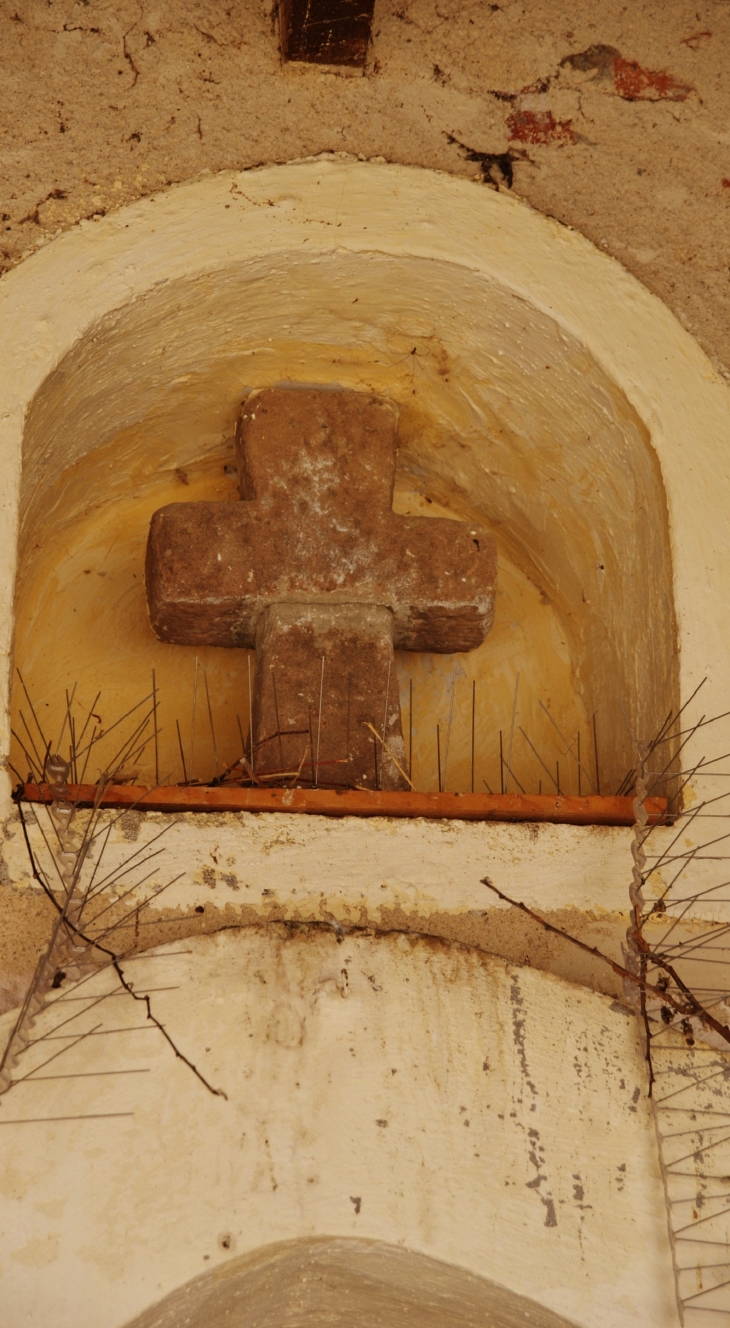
column 352, row 802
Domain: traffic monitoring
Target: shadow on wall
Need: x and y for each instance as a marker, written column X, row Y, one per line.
column 338, row 1283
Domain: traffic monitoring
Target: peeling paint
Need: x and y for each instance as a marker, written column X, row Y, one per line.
column 539, row 127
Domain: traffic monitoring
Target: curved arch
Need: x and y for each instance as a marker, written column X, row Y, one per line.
column 336, row 1283
column 563, row 401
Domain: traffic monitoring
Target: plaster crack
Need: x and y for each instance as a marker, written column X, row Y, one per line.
column 130, row 61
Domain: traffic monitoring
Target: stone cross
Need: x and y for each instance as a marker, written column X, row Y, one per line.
column 317, row 572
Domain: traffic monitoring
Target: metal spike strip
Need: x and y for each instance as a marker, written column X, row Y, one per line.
column 689, row 1062
column 65, row 951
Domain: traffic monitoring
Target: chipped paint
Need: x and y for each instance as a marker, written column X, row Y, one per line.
column 539, row 127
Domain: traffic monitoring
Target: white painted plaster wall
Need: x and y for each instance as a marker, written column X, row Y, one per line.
column 395, row 1089
column 356, row 863
column 419, row 875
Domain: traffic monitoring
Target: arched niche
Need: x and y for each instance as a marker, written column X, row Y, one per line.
column 338, row 1283
column 541, row 391
column 505, row 420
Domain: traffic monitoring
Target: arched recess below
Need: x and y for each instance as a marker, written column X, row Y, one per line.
column 339, row 1283
column 507, row 417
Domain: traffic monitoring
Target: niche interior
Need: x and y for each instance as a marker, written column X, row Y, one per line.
column 504, row 419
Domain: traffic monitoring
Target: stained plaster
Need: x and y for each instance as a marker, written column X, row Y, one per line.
column 393, row 1089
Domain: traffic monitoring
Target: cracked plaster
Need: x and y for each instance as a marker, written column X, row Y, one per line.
column 102, row 104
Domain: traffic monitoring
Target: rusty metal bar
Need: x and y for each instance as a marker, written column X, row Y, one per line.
column 569, row 810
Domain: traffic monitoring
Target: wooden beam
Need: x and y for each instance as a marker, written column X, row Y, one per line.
column 562, row 809
column 326, row 32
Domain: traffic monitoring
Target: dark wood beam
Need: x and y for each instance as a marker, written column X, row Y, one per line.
column 326, row 32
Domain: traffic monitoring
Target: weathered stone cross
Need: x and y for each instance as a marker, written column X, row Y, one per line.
column 315, row 566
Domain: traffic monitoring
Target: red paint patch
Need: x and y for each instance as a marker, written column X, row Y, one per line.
column 725, row 183
column 539, row 127
column 636, row 84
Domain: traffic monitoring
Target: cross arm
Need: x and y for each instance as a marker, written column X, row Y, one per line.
column 443, row 577
column 214, row 567
column 198, row 569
